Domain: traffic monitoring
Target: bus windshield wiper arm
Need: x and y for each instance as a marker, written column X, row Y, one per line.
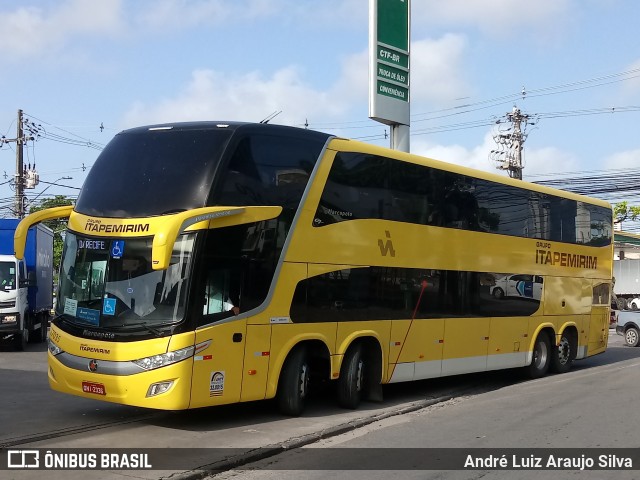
column 138, row 326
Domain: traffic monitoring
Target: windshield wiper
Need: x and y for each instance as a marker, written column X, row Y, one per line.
column 137, row 327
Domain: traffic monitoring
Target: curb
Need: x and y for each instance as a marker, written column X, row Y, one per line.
column 256, row 454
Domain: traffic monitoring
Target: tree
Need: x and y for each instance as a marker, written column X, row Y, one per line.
column 57, row 225
column 623, row 211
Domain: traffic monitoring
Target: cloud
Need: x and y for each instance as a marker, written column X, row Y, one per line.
column 498, row 18
column 438, row 79
column 475, row 157
column 630, row 89
column 536, row 161
column 181, row 14
column 437, row 70
column 212, row 95
column 29, row 31
column 622, row 160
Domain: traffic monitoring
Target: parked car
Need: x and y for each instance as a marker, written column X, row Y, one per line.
column 628, row 325
column 523, row 286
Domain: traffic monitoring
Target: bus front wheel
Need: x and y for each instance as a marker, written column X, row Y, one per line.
column 541, row 357
column 293, row 386
column 351, row 380
column 563, row 354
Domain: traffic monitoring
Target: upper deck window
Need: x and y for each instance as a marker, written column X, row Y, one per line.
column 362, row 186
column 143, row 172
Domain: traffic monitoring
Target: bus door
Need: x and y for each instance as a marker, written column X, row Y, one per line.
column 220, row 344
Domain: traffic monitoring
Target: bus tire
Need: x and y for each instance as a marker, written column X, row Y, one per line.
column 632, row 337
column 563, row 354
column 352, row 378
column 541, row 357
column 293, row 386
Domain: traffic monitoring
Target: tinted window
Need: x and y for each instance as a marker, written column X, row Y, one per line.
column 366, row 186
column 386, row 293
column 270, row 170
column 144, row 173
column 236, row 270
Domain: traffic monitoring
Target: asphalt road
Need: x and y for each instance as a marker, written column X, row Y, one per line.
column 492, row 410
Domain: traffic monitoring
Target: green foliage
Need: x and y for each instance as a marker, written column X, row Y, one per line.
column 57, row 225
column 623, row 211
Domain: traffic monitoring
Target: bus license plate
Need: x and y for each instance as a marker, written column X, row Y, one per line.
column 95, row 388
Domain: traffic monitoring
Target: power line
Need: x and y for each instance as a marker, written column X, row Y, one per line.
column 41, row 132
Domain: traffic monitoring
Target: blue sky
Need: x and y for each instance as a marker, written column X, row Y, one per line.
column 74, row 65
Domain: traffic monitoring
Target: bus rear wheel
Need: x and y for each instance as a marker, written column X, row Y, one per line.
column 351, row 380
column 541, row 357
column 563, row 354
column 293, row 386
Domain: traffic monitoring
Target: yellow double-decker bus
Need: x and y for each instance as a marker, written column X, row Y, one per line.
column 212, row 263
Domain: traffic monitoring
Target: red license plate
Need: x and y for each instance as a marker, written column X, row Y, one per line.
column 95, row 388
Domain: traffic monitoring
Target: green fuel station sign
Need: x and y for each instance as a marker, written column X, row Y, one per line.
column 389, row 60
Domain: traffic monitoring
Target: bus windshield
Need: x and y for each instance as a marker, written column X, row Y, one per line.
column 109, row 283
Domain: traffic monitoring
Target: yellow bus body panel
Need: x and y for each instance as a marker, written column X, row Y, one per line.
column 124, row 389
column 508, row 342
column 416, row 345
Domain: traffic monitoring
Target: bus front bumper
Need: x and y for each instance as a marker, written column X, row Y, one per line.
column 165, row 388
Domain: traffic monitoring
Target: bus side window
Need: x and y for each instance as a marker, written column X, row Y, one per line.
column 221, row 295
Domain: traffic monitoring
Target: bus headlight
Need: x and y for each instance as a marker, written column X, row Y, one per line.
column 157, row 361
column 53, row 348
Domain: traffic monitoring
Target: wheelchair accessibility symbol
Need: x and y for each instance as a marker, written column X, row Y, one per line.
column 109, row 306
column 117, row 248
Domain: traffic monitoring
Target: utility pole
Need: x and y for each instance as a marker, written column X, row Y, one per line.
column 19, row 168
column 32, row 175
column 510, row 142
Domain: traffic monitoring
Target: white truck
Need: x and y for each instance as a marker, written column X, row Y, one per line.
column 26, row 285
column 627, row 287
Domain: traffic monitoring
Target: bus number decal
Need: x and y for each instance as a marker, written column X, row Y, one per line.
column 54, row 335
column 216, row 384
